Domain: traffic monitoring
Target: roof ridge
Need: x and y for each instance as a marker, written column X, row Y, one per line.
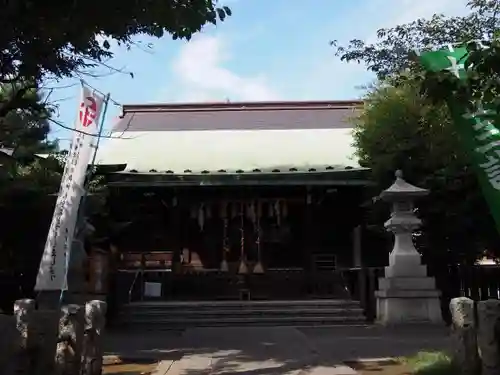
column 241, row 106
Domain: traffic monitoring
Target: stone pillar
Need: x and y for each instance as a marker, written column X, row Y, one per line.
column 45, row 323
column 10, row 344
column 23, row 312
column 465, row 355
column 18, row 343
column 95, row 315
column 488, row 336
column 68, row 355
column 406, row 294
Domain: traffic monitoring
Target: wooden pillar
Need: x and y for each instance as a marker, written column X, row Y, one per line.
column 175, row 224
column 308, row 239
column 307, row 242
column 99, row 262
column 357, row 264
column 357, row 259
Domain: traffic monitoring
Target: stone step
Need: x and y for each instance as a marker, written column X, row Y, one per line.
column 246, row 311
column 181, row 305
column 171, row 314
column 166, row 323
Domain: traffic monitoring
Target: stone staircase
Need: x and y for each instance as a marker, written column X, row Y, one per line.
column 165, row 315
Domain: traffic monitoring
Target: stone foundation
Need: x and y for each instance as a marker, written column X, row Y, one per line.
column 408, row 299
column 408, row 306
column 52, row 342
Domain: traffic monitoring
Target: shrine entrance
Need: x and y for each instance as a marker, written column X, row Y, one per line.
column 235, row 243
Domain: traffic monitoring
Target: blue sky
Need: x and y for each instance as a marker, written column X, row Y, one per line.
column 268, row 50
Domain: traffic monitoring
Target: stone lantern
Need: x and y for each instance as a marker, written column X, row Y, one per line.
column 406, row 294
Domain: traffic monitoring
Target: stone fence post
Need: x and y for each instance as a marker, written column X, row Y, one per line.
column 10, row 344
column 488, row 336
column 17, row 340
column 464, row 333
column 68, row 356
column 52, row 342
column 95, row 317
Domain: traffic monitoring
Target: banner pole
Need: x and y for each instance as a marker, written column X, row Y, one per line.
column 101, row 128
column 81, row 211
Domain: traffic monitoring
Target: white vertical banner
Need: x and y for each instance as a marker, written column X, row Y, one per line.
column 52, row 271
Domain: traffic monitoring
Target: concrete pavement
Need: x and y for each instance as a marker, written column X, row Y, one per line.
column 271, row 351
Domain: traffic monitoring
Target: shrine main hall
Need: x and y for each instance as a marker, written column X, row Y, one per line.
column 235, row 201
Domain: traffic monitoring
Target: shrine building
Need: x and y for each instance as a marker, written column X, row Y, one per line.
column 235, row 201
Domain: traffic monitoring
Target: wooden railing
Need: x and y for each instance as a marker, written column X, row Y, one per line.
column 362, row 283
column 476, row 282
column 357, row 283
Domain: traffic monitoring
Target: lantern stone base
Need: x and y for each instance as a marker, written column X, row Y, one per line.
column 408, row 300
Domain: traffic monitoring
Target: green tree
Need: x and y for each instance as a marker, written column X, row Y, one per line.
column 27, row 183
column 42, row 39
column 393, row 51
column 26, row 129
column 400, row 129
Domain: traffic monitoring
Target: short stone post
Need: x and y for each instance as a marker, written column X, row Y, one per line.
column 23, row 313
column 10, row 344
column 16, row 356
column 45, row 324
column 465, row 353
column 68, row 354
column 488, row 336
column 95, row 317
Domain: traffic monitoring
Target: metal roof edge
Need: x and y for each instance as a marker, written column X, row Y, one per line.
column 241, row 106
column 284, row 173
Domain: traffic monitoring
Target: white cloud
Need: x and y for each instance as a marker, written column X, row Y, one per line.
column 334, row 79
column 201, row 73
column 201, row 67
column 410, row 10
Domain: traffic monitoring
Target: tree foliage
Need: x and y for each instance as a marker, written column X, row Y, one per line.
column 26, row 129
column 399, row 129
column 393, row 55
column 393, row 52
column 41, row 38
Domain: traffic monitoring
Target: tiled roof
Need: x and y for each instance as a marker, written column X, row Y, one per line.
column 237, row 116
column 233, row 138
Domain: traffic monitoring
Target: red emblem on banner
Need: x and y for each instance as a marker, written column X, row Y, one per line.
column 88, row 111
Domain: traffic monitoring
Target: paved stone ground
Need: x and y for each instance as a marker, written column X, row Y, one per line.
column 272, row 351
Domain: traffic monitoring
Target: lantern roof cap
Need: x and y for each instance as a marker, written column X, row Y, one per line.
column 400, row 189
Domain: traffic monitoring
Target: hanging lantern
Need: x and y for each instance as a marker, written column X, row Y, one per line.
column 251, row 214
column 224, row 267
column 284, row 209
column 258, row 269
column 259, row 209
column 270, row 210
column 234, row 210
column 223, row 210
column 242, row 269
column 193, row 212
column 201, row 216
column 208, row 211
column 277, row 212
